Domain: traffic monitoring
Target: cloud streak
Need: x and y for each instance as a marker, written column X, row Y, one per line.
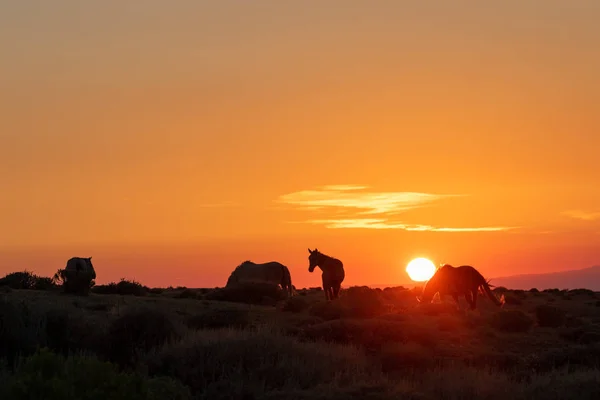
column 582, row 215
column 351, row 197
column 354, row 202
column 374, row 223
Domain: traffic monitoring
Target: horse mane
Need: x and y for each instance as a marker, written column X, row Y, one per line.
column 323, row 254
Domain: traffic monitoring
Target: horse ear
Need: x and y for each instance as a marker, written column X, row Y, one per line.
column 309, row 250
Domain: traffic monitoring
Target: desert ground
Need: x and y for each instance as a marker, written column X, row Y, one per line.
column 127, row 341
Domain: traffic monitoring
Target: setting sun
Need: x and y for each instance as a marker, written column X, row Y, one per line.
column 420, row 269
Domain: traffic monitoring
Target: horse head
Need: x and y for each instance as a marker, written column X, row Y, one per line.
column 429, row 290
column 313, row 259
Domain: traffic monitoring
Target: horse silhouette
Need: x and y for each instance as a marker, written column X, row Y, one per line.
column 455, row 281
column 333, row 272
column 77, row 275
column 272, row 272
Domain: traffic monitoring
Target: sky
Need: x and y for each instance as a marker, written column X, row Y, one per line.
column 171, row 141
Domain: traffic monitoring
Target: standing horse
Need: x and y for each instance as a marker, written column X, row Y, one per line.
column 464, row 280
column 272, row 272
column 333, row 272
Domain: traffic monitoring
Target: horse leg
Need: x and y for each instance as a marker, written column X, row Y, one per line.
column 337, row 290
column 474, row 293
column 455, row 297
column 469, row 298
column 326, row 290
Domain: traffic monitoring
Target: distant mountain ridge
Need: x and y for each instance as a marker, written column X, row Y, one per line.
column 586, row 278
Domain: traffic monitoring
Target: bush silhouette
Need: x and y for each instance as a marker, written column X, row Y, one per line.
column 512, row 299
column 371, row 333
column 249, row 292
column 582, row 292
column 399, row 297
column 212, row 319
column 187, row 294
column 549, row 316
column 123, row 287
column 46, row 375
column 296, row 304
column 138, row 330
column 21, row 329
column 43, row 283
column 363, row 302
column 19, row 280
column 515, row 321
column 234, row 364
column 327, row 310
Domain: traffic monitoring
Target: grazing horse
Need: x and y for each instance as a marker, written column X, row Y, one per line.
column 77, row 276
column 272, row 272
column 79, row 265
column 333, row 272
column 464, row 280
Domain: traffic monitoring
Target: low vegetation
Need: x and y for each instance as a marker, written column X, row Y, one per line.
column 124, row 340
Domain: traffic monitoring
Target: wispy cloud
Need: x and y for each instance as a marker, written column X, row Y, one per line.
column 354, row 197
column 354, row 202
column 583, row 215
column 372, row 223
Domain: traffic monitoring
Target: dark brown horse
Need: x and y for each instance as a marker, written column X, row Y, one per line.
column 464, row 280
column 333, row 272
column 273, row 272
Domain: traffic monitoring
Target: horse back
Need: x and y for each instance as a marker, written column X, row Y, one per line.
column 467, row 277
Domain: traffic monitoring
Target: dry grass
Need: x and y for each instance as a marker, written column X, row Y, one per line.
column 371, row 344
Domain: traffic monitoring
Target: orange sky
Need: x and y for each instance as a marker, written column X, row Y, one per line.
column 173, row 141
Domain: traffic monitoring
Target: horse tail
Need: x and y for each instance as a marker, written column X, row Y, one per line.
column 486, row 289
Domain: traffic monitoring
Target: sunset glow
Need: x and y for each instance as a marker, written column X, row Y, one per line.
column 173, row 140
column 420, row 269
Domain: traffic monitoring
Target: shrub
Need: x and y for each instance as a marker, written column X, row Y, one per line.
column 327, row 310
column 399, row 296
column 371, row 333
column 67, row 333
column 187, row 294
column 363, row 302
column 43, row 283
column 21, row 330
column 138, row 330
column 435, row 309
column 46, row 375
column 249, row 292
column 219, row 318
column 583, row 292
column 549, row 316
column 123, row 287
column 500, row 290
column 19, row 280
column 234, row 364
column 515, row 321
column 574, row 356
column 533, row 290
column 552, row 291
column 396, row 357
column 295, row 304
column 513, row 300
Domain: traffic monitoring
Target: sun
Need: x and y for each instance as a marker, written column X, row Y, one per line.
column 420, row 269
